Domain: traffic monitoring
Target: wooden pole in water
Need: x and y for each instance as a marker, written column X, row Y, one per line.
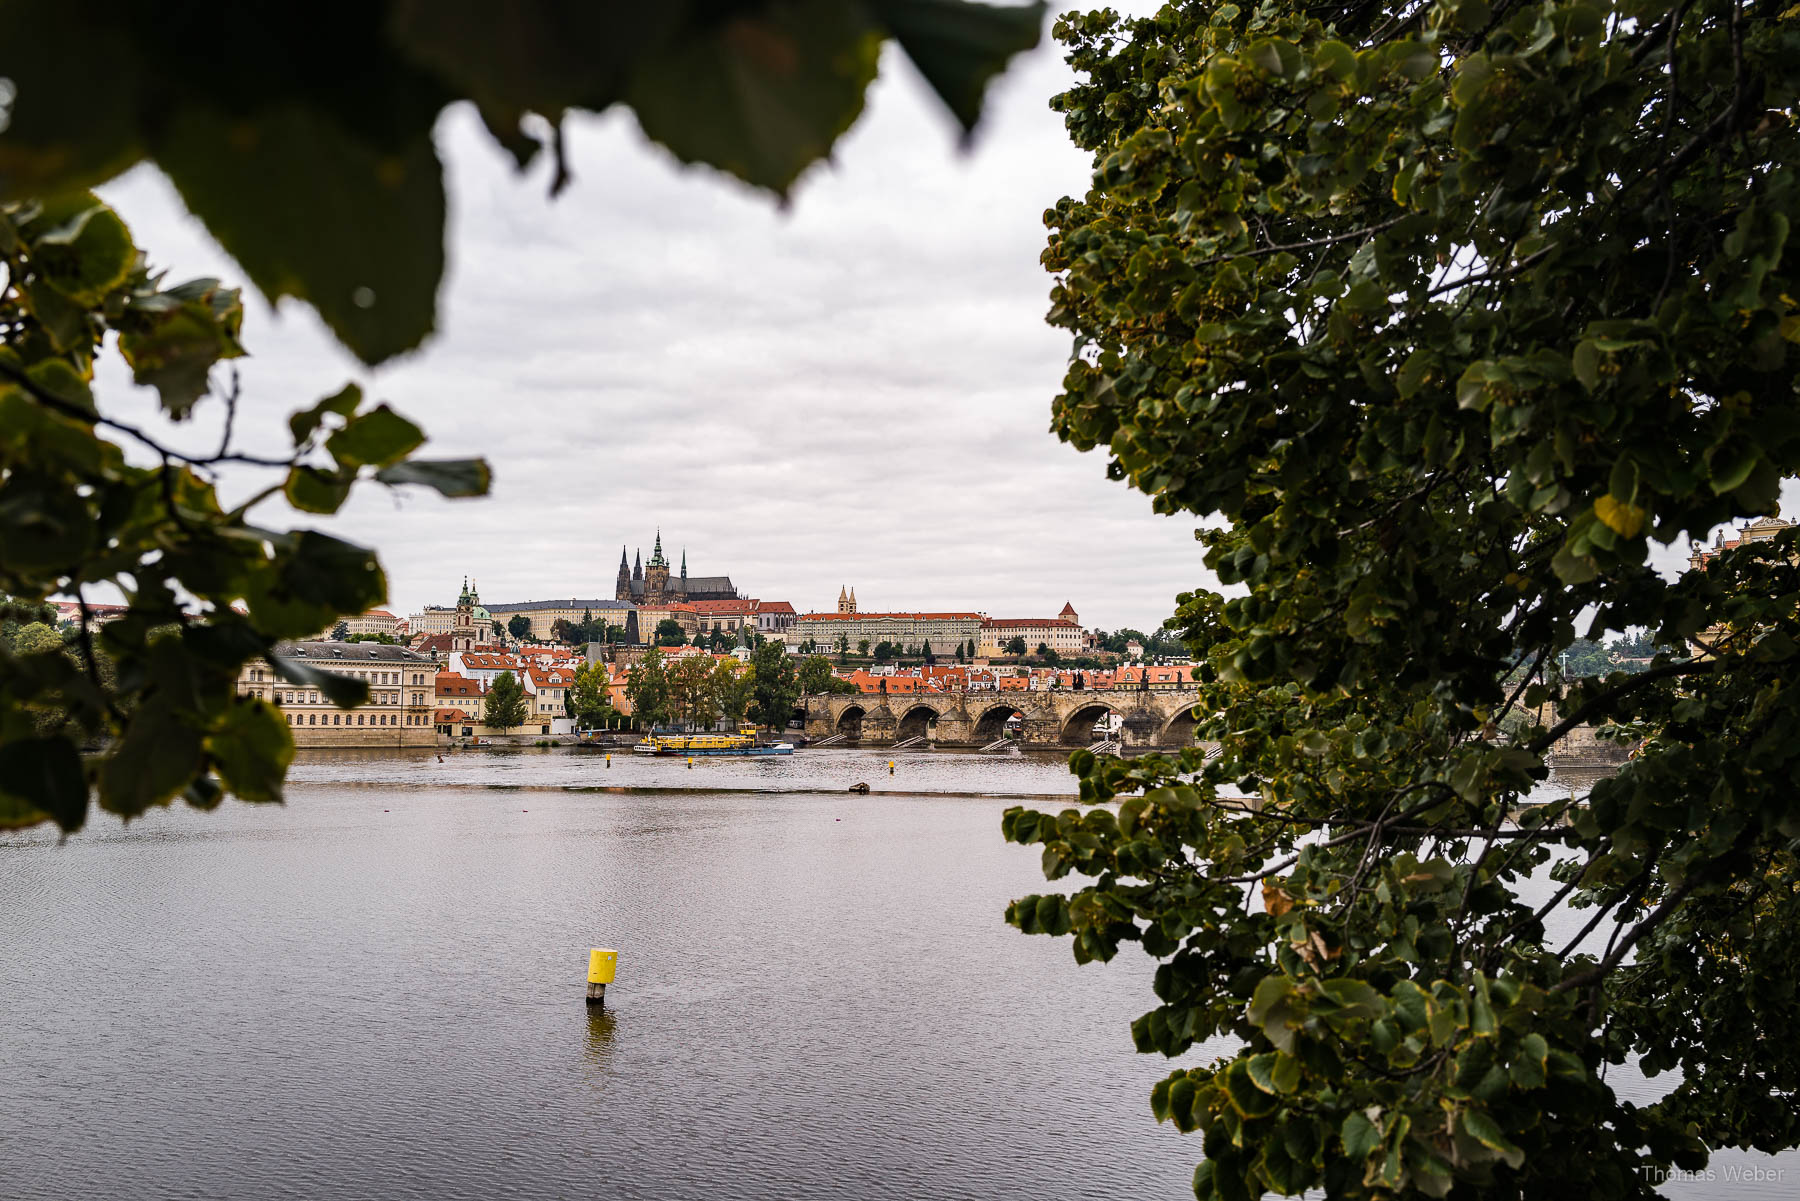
column 602, row 965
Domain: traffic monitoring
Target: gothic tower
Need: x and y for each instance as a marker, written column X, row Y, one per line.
column 843, row 600
column 622, row 590
column 656, row 575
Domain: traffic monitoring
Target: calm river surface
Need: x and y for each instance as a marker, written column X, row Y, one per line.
column 376, row 991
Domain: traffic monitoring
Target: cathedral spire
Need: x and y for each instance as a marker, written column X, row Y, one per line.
column 637, row 568
column 684, row 562
column 656, row 555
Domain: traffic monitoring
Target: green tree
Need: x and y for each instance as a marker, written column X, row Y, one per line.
column 925, row 651
column 1584, row 657
column 1445, row 311
column 862, row 647
column 1015, row 645
column 669, row 633
column 732, row 686
column 519, row 626
column 383, row 639
column 815, row 677
column 35, row 637
column 884, row 651
column 691, row 696
column 295, row 122
column 843, row 648
column 587, row 699
column 504, row 705
column 647, row 688
column 775, row 689
column 340, row 630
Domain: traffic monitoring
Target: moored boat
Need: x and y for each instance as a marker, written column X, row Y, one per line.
column 742, row 743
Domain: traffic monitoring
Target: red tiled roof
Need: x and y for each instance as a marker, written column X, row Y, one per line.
column 722, row 607
column 1013, row 623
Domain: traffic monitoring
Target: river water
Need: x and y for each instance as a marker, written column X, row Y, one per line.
column 376, row 990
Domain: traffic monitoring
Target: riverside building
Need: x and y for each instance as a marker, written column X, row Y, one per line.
column 402, row 687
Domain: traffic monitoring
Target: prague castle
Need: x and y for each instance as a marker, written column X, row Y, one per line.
column 652, row 586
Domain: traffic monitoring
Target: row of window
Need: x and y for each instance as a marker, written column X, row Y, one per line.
column 355, row 719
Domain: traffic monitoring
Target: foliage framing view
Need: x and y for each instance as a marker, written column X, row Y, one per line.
column 302, row 139
column 1447, row 308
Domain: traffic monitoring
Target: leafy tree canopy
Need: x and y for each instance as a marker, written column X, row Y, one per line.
column 209, row 588
column 647, row 688
column 301, row 137
column 1447, row 310
column 669, row 633
column 519, row 626
column 775, row 690
column 504, row 705
column 587, row 698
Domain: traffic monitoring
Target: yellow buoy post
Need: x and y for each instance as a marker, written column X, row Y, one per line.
column 890, row 767
column 602, row 964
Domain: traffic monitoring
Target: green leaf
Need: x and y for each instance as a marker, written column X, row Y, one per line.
column 1360, row 1137
column 63, row 320
column 157, row 757
column 377, row 438
column 1276, row 56
column 314, row 491
column 1622, row 518
column 1273, row 1072
column 312, row 584
column 343, row 402
column 313, row 213
column 252, row 747
column 762, row 94
column 451, row 477
column 82, row 248
column 42, row 777
column 173, row 347
column 1245, row 1097
column 346, row 692
column 958, row 46
column 1479, row 1126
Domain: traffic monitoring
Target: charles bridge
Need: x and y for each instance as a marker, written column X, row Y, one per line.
column 1160, row 719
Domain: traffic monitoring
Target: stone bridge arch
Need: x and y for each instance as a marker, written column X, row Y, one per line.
column 1053, row 719
column 990, row 718
column 916, row 719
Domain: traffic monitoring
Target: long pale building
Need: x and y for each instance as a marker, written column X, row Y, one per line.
column 402, row 690
column 944, row 632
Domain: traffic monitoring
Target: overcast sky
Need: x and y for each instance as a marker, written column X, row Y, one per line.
column 854, row 390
